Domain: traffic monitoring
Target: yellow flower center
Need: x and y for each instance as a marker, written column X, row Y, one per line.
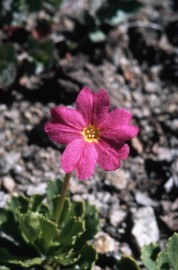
column 91, row 134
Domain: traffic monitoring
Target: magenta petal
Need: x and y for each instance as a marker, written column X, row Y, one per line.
column 93, row 107
column 67, row 116
column 71, row 155
column 123, row 152
column 84, row 103
column 108, row 158
column 60, row 133
column 101, row 107
column 87, row 162
column 119, row 134
column 66, row 125
column 116, row 118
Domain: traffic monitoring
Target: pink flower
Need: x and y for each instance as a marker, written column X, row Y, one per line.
column 93, row 135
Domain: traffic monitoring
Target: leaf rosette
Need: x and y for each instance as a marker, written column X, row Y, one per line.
column 30, row 239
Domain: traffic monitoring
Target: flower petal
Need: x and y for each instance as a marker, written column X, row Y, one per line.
column 66, row 125
column 84, row 103
column 67, row 116
column 86, row 164
column 93, row 107
column 119, row 134
column 71, row 155
column 100, row 107
column 117, row 117
column 108, row 158
column 61, row 134
column 123, row 152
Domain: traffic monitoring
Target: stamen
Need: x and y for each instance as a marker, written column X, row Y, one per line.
column 91, row 133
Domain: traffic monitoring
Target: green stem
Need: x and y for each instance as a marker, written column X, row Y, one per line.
column 60, row 201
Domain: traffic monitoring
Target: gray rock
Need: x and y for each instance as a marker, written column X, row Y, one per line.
column 8, row 183
column 151, row 87
column 117, row 216
column 3, row 198
column 104, row 243
column 118, row 179
column 8, row 161
column 145, row 229
column 142, row 199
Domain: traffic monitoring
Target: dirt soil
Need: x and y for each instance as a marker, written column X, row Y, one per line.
column 138, row 67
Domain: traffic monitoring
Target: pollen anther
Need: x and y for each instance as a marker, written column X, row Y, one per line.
column 91, row 133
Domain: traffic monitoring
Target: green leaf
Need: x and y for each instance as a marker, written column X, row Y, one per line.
column 66, row 211
column 3, row 267
column 7, row 257
column 8, row 72
column 149, row 254
column 97, row 36
column 78, row 208
column 91, row 220
column 11, row 227
column 3, row 216
column 71, row 231
column 87, row 258
column 66, row 258
column 20, row 203
column 127, row 262
column 8, row 65
column 44, row 210
column 30, row 226
column 7, row 53
column 48, row 230
column 36, row 202
column 162, row 261
column 53, row 189
column 172, row 250
column 91, row 225
column 42, row 53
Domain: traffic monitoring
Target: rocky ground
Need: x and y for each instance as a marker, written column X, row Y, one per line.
column 138, row 66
